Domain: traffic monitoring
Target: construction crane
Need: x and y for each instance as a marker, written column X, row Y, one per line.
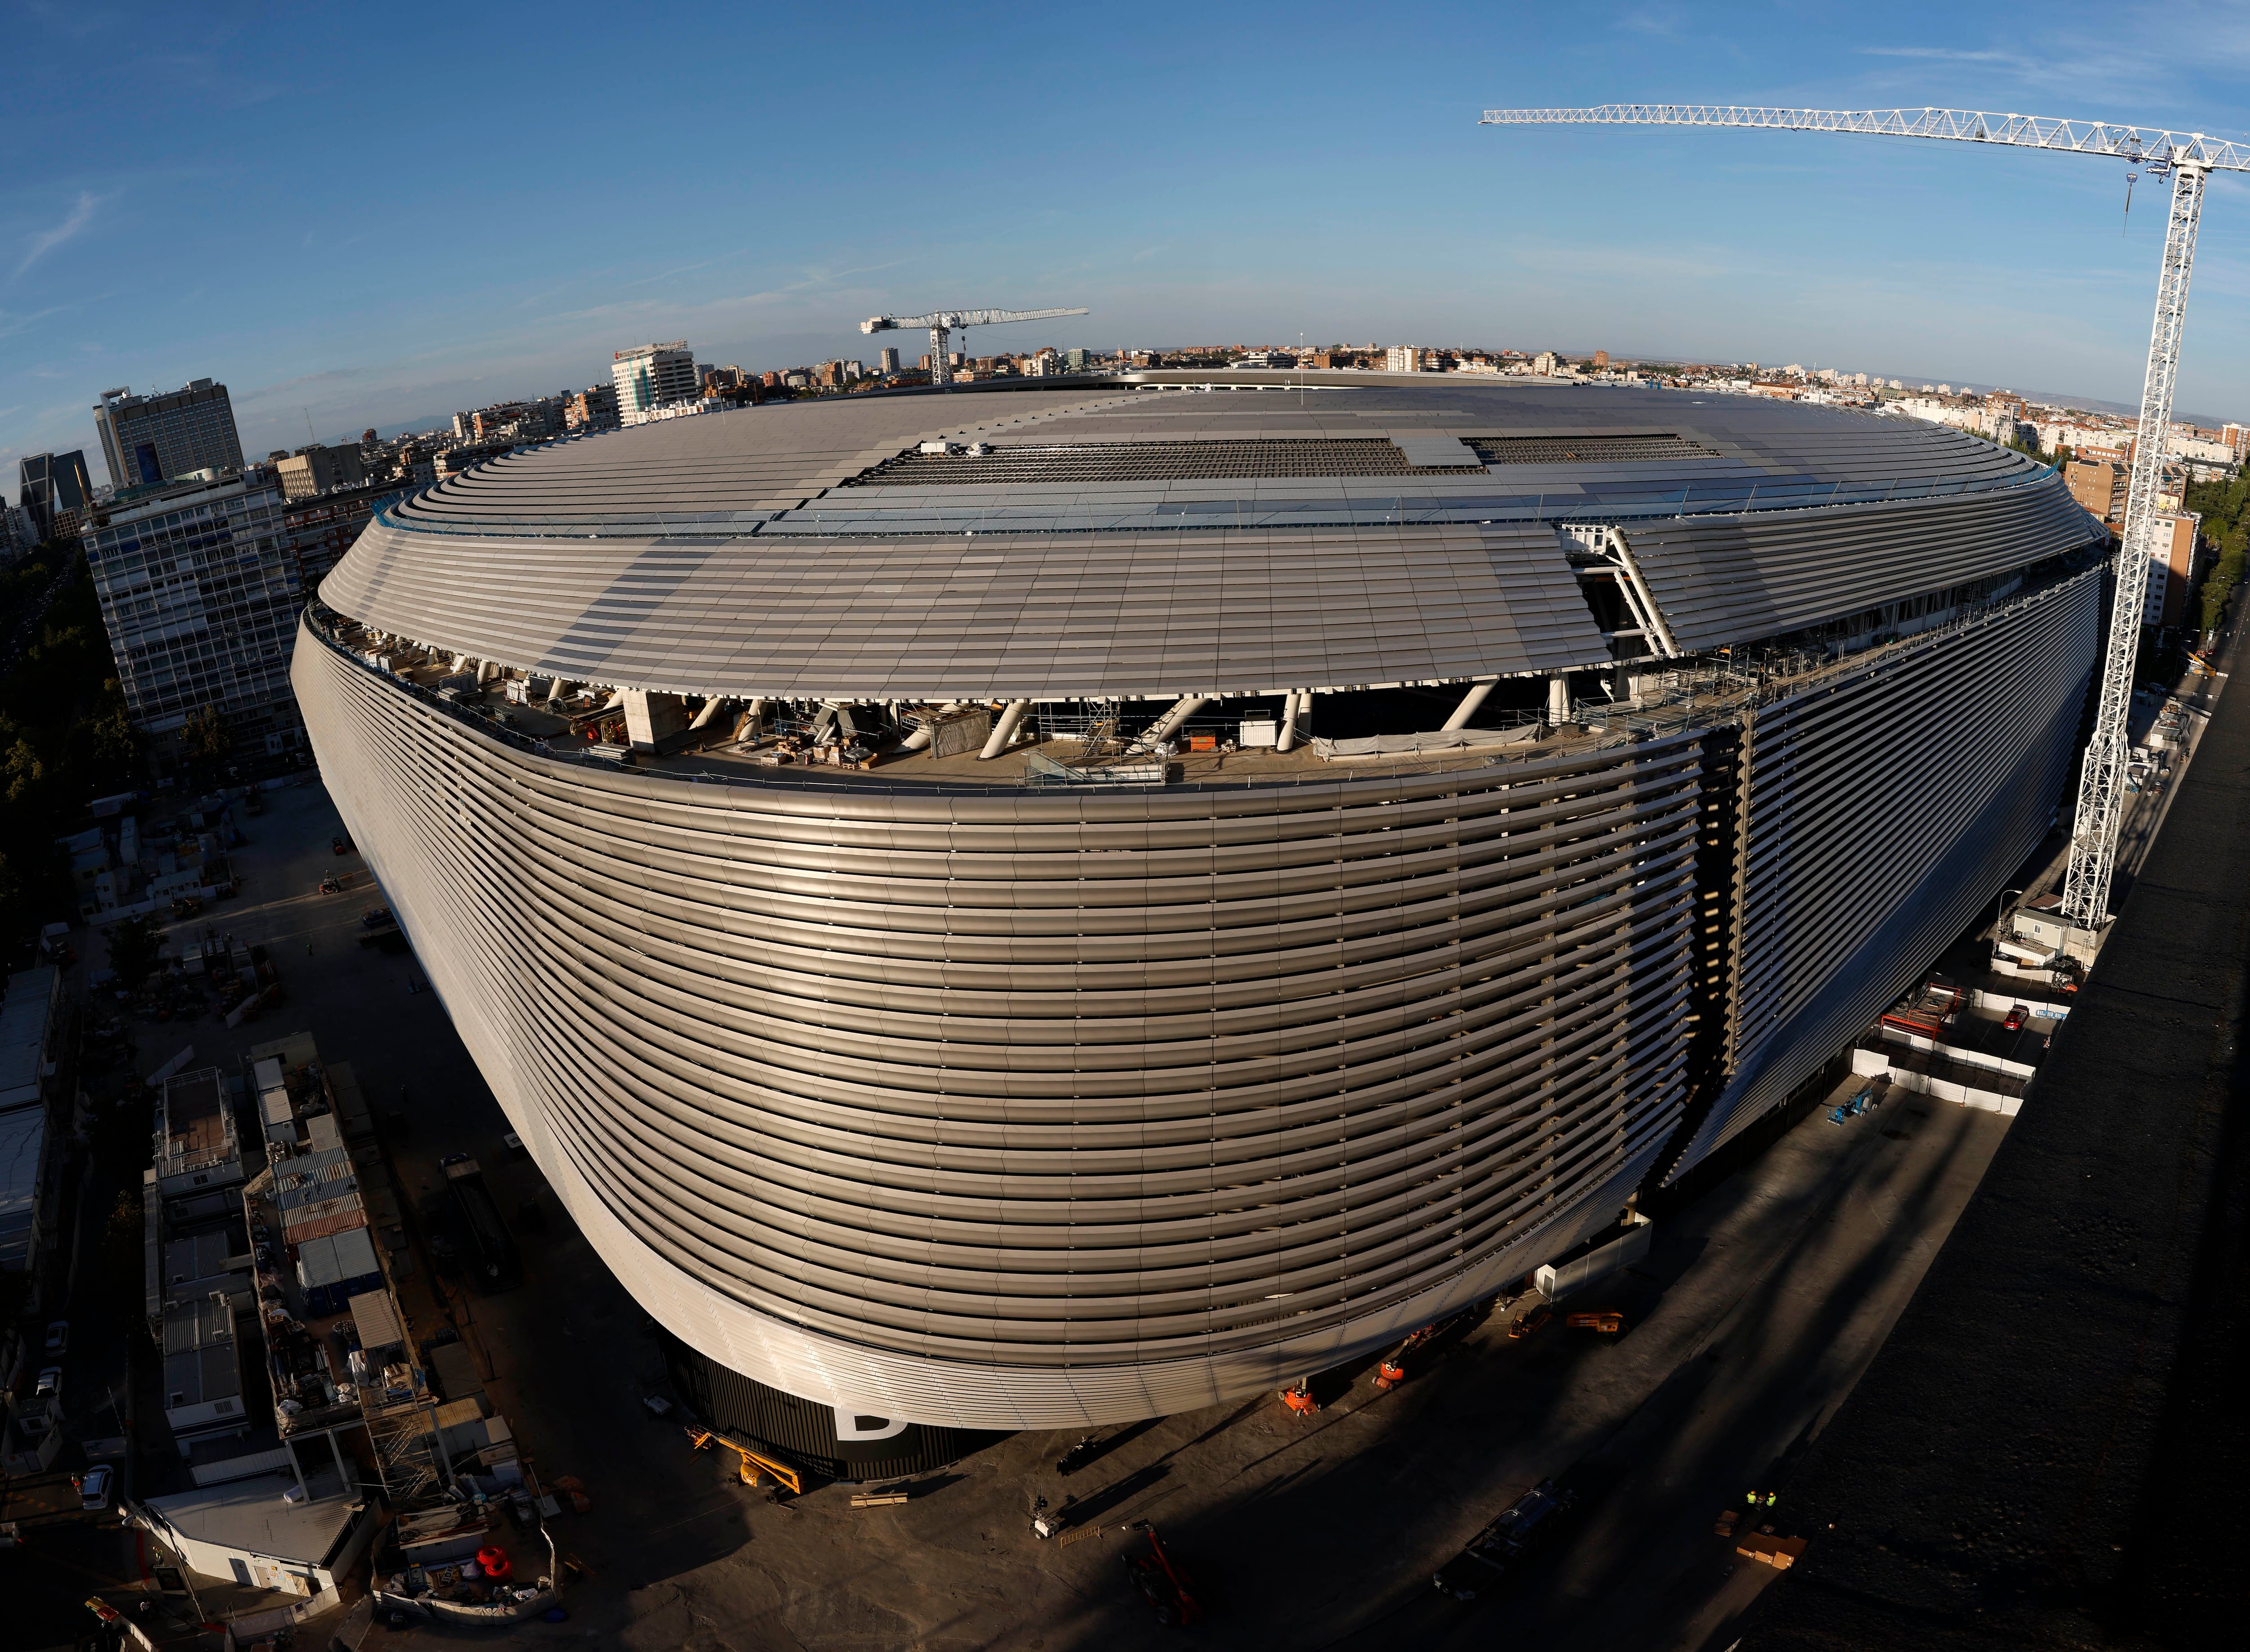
column 943, row 323
column 2187, row 158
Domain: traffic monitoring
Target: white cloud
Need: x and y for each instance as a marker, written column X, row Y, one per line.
column 47, row 240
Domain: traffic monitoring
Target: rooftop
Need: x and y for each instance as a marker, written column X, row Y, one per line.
column 198, row 1126
column 1145, row 540
column 202, row 1361
column 252, row 1516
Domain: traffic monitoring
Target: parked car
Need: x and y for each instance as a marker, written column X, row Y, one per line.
column 59, row 1338
column 2017, row 1017
column 94, row 1487
column 50, row 1386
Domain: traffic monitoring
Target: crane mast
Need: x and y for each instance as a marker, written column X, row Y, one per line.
column 943, row 324
column 2189, row 158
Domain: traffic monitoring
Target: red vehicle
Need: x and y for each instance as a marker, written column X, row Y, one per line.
column 1925, row 1014
column 341, row 846
column 1528, row 1324
column 1165, row 1584
column 2017, row 1017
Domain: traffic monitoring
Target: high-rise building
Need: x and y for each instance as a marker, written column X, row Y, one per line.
column 317, row 469
column 1601, row 358
column 2172, row 560
column 887, row 362
column 18, row 535
column 198, row 593
column 54, row 490
column 653, row 375
column 148, row 439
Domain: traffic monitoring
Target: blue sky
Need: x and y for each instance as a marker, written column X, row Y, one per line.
column 361, row 215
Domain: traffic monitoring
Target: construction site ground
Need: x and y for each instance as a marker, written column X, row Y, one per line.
column 2071, row 1376
column 1754, row 1314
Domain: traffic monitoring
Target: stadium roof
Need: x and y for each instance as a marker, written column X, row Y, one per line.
column 1140, row 540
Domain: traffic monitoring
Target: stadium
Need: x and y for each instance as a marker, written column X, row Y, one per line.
column 1043, row 905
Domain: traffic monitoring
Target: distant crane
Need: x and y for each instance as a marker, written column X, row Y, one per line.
column 942, row 323
column 2188, row 158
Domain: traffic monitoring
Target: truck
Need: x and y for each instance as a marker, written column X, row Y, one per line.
column 1502, row 1550
column 486, row 1248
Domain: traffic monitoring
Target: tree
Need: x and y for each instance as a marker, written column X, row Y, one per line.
column 132, row 945
column 204, row 733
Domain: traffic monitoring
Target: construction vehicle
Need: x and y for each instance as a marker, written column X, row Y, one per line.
column 754, row 1464
column 481, row 1232
column 1164, row 1582
column 1392, row 1370
column 1608, row 1321
column 2188, row 159
column 943, row 324
column 1853, row 1108
column 1299, row 1398
column 1527, row 1325
column 1496, row 1554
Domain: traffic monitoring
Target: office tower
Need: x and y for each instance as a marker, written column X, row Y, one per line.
column 54, row 490
column 653, row 375
column 148, row 440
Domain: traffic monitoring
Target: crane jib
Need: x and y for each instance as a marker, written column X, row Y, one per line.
column 2187, row 158
column 1971, row 126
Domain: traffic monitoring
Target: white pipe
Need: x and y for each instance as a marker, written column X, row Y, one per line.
column 711, row 708
column 921, row 738
column 1003, row 730
column 1558, row 701
column 616, row 698
column 556, row 690
column 1477, row 694
column 1186, row 707
column 1288, row 740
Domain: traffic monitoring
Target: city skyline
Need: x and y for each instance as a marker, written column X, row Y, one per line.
column 802, row 216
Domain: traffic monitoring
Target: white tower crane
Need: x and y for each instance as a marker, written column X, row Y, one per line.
column 942, row 323
column 2188, row 158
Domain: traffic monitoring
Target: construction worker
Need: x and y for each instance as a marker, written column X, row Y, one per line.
column 1751, row 1498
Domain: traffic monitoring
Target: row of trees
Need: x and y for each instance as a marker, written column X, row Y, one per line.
column 2225, row 506
column 64, row 734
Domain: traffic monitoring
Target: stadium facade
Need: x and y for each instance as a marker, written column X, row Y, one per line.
column 1602, row 762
